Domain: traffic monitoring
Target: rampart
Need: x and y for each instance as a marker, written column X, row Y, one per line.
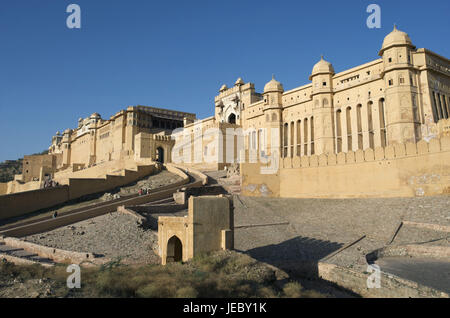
column 17, row 204
column 400, row 170
column 45, row 223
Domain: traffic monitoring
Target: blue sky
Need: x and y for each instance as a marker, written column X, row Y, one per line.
column 177, row 54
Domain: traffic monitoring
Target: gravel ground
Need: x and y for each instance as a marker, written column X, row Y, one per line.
column 113, row 235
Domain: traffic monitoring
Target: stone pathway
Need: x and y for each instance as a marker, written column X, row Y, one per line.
column 318, row 227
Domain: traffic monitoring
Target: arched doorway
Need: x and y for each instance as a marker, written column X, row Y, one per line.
column 160, row 154
column 232, row 119
column 174, row 250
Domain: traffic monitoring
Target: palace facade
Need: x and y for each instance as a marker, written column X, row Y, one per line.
column 401, row 97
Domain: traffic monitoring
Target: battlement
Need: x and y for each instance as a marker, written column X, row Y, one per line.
column 162, row 138
column 390, row 152
column 399, row 170
column 233, row 90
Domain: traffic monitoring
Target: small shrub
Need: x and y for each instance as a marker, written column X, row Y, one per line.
column 149, row 291
column 292, row 290
column 186, row 292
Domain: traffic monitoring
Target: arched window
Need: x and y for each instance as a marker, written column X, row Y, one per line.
column 382, row 123
column 312, row 135
column 349, row 129
column 338, row 131
column 285, row 140
column 441, row 106
column 232, row 119
column 274, row 117
column 435, row 107
column 262, row 142
column 254, row 140
column 299, row 139
column 370, row 124
column 359, row 124
column 445, row 106
column 305, row 136
column 292, row 139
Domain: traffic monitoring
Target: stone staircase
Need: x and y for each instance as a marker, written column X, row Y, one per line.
column 20, row 256
column 232, row 185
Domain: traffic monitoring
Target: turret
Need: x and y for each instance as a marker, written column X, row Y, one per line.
column 273, row 113
column 322, row 96
column 401, row 103
column 273, row 92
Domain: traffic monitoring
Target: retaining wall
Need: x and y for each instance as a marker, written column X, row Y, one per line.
column 46, row 224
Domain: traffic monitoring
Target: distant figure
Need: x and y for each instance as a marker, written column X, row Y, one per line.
column 140, row 192
column 55, row 215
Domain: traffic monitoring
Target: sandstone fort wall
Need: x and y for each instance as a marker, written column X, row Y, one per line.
column 400, row 170
column 21, row 203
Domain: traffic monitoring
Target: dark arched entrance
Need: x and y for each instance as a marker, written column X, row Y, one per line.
column 160, row 154
column 174, row 250
column 232, row 119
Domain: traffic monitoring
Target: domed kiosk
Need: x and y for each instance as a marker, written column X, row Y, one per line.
column 396, row 38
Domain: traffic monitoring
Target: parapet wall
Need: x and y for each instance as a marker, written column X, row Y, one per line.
column 16, row 204
column 400, row 170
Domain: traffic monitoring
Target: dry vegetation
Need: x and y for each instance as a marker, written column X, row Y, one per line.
column 221, row 274
column 10, row 168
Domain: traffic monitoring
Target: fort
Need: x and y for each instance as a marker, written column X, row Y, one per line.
column 375, row 119
column 376, row 131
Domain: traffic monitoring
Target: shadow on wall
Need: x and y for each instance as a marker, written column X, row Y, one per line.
column 297, row 256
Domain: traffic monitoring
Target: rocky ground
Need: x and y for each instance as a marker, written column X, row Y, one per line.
column 112, row 235
column 13, row 287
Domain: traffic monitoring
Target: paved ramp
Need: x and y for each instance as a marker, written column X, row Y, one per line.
column 434, row 273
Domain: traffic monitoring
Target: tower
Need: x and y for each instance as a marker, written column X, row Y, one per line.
column 401, row 105
column 322, row 142
column 273, row 112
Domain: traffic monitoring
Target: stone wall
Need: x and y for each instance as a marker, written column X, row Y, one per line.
column 17, row 204
column 400, row 170
column 21, row 203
